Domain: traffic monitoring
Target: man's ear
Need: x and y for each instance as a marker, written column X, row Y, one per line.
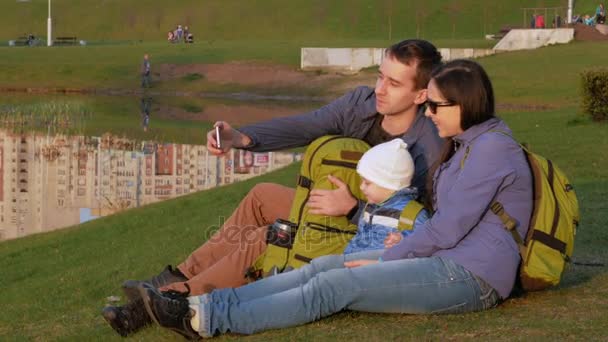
column 420, row 96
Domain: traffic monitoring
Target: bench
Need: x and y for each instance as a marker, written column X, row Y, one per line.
column 65, row 41
column 21, row 41
column 25, row 41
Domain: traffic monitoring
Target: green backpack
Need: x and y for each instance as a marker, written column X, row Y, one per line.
column 549, row 243
column 316, row 235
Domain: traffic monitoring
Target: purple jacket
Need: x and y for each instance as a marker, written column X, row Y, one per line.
column 351, row 115
column 463, row 228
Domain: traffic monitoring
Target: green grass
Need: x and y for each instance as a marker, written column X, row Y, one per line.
column 117, row 66
column 121, row 31
column 55, row 284
column 124, row 20
column 547, row 76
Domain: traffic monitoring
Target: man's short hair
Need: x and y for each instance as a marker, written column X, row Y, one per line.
column 420, row 53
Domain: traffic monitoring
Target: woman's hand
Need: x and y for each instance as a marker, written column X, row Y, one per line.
column 392, row 239
column 357, row 263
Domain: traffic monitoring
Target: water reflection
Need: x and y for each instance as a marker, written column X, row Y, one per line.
column 50, row 182
column 142, row 117
column 145, row 105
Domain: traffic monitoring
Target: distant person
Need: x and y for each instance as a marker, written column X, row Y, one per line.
column 540, row 21
column 170, row 37
column 189, row 38
column 533, row 21
column 31, row 40
column 145, row 72
column 179, row 33
column 186, row 33
column 600, row 14
column 588, row 20
column 556, row 22
column 577, row 19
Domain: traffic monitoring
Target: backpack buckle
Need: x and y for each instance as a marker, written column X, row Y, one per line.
column 304, row 182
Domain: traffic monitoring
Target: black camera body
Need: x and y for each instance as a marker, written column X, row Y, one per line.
column 281, row 233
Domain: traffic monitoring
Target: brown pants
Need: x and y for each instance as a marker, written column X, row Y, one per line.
column 222, row 261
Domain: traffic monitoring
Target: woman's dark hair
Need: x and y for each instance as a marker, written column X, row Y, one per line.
column 466, row 84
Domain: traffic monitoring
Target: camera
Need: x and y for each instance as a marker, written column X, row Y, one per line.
column 281, row 233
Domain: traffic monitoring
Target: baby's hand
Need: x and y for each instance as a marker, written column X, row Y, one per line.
column 392, row 239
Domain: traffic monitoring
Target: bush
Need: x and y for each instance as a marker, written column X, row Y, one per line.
column 595, row 93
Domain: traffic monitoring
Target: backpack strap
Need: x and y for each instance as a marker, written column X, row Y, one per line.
column 509, row 224
column 409, row 214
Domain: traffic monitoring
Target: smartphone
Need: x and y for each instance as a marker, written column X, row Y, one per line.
column 218, row 140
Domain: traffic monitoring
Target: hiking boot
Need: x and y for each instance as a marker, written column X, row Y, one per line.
column 127, row 319
column 166, row 277
column 170, row 313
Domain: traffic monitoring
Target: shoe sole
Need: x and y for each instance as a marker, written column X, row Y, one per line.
column 114, row 322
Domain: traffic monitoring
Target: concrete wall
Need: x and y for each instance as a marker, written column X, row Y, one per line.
column 523, row 39
column 602, row 28
column 347, row 59
column 355, row 59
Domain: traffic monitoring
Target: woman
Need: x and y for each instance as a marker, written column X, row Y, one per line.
column 461, row 260
column 600, row 14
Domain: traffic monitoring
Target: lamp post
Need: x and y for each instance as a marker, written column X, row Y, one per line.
column 49, row 28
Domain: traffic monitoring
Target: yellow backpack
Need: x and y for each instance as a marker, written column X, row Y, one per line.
column 305, row 236
column 549, row 243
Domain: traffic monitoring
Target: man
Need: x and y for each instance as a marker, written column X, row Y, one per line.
column 393, row 109
column 145, row 72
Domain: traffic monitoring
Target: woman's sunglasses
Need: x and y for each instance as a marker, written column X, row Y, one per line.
column 432, row 105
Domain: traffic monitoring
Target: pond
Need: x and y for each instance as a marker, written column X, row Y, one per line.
column 69, row 159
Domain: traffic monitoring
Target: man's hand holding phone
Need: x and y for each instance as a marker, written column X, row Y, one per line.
column 223, row 137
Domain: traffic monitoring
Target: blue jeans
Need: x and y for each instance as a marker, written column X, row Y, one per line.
column 325, row 286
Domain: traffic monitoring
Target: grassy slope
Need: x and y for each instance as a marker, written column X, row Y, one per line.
column 302, row 20
column 271, row 30
column 54, row 284
column 227, row 30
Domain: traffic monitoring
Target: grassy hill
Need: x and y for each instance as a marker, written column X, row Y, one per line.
column 306, row 21
column 54, row 285
column 119, row 32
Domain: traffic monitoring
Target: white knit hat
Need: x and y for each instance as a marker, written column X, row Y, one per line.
column 388, row 165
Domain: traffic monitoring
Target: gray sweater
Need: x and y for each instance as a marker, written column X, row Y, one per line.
column 351, row 115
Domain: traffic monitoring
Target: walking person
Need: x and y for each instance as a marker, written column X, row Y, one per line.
column 145, row 72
